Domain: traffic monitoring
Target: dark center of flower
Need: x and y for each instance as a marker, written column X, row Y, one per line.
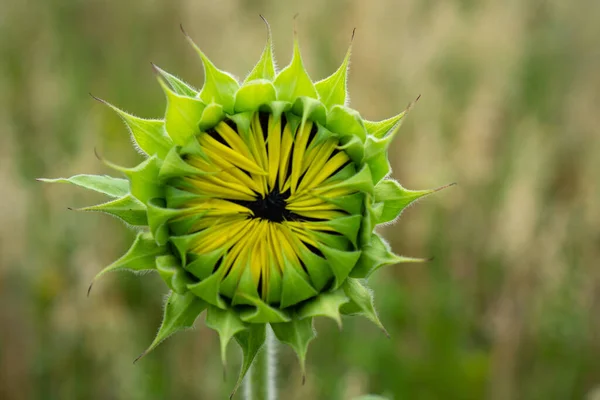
column 270, row 207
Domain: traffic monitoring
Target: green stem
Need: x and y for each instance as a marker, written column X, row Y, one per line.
column 260, row 383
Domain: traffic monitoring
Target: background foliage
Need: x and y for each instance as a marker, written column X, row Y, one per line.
column 509, row 109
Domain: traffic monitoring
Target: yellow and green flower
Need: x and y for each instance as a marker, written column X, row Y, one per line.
column 257, row 202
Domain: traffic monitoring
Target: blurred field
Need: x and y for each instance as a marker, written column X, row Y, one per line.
column 509, row 308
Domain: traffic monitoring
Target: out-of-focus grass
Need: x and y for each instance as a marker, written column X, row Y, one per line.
column 507, row 310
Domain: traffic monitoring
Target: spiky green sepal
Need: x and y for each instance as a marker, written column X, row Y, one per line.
column 220, row 151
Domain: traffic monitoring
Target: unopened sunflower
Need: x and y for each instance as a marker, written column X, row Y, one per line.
column 257, row 202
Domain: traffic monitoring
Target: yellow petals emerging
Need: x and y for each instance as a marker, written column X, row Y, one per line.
column 263, row 197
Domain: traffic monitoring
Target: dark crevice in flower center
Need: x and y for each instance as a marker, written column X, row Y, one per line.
column 213, row 133
column 313, row 132
column 263, row 117
column 314, row 250
column 272, row 207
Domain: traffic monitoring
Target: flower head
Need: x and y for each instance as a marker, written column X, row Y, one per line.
column 257, row 201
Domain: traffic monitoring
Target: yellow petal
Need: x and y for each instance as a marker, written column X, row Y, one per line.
column 274, row 146
column 300, row 143
column 285, row 154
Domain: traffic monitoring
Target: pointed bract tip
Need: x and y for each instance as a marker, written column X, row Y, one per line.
column 268, row 27
column 412, row 103
column 444, row 187
column 155, row 68
column 303, row 379
column 97, row 154
column 140, row 356
column 234, row 391
column 386, row 333
column 97, row 98
column 70, row 209
column 353, row 32
column 90, row 288
column 183, row 31
column 296, row 26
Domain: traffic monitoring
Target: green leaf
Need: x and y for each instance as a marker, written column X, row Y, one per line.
column 352, row 203
column 158, row 218
column 203, row 265
column 171, row 271
column 360, row 182
column 254, row 94
column 332, row 240
column 368, row 222
column 148, row 134
column 219, row 87
column 346, row 172
column 245, row 289
column 243, row 121
column 127, row 208
column 144, row 180
column 378, row 141
column 251, row 341
column 361, row 302
column 277, row 108
column 332, row 90
column 178, row 86
column 209, row 289
column 192, row 147
column 353, row 146
column 174, row 166
column 182, row 116
column 379, row 164
column 177, row 198
column 340, row 262
column 325, row 305
column 295, row 287
column 263, row 313
column 182, row 226
column 376, row 155
column 381, row 129
column 211, row 116
column 347, row 122
column 227, row 323
column 388, row 127
column 181, row 312
column 348, row 226
column 297, row 333
column 273, row 295
column 293, row 81
column 395, row 198
column 140, row 257
column 378, row 254
column 265, row 68
column 318, row 268
column 310, row 110
column 113, row 187
column 185, row 243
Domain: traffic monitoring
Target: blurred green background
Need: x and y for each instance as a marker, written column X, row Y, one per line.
column 509, row 308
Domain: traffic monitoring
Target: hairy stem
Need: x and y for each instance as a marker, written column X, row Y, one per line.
column 259, row 384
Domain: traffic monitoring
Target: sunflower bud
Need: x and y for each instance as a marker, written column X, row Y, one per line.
column 257, row 202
